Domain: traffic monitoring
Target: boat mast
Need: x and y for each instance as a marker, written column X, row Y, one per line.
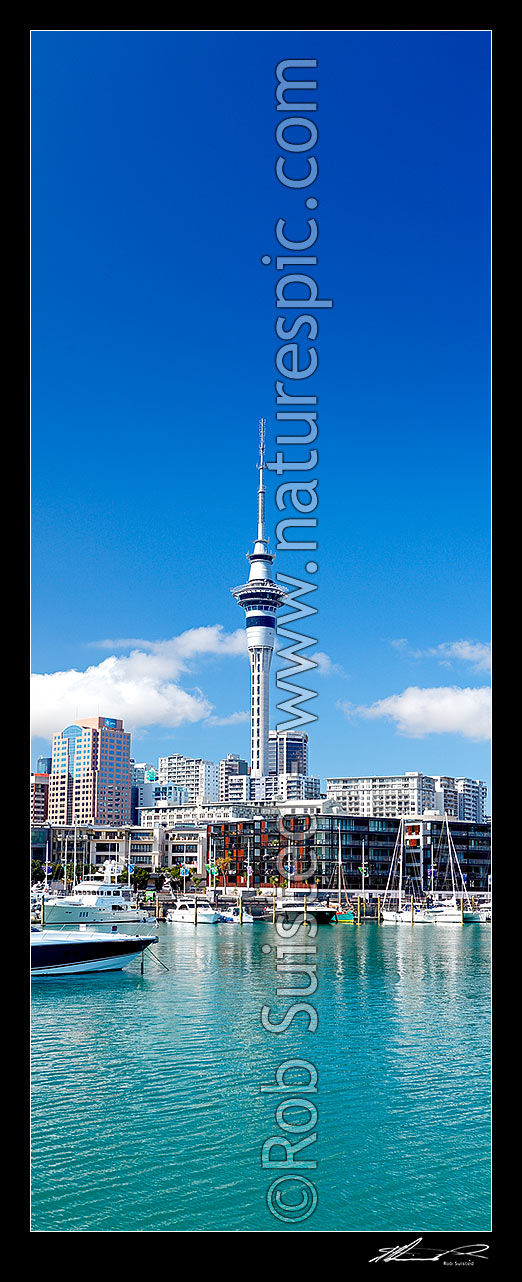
column 450, row 857
column 454, row 858
column 387, row 891
column 74, row 859
column 339, row 866
column 401, row 832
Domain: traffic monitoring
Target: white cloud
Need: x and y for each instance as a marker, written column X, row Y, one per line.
column 440, row 710
column 476, row 653
column 233, row 720
column 325, row 667
column 180, row 651
column 142, row 688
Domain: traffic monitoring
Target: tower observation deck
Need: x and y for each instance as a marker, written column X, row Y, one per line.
column 260, row 598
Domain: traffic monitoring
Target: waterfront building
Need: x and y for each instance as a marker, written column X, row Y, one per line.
column 287, row 752
column 44, row 765
column 230, row 767
column 268, row 842
column 39, row 797
column 185, row 846
column 260, row 598
column 94, row 843
column 90, row 779
column 200, row 778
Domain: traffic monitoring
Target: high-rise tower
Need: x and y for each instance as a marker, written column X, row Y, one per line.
column 260, row 599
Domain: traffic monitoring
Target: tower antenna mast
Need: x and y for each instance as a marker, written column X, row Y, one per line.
column 260, row 598
column 261, row 488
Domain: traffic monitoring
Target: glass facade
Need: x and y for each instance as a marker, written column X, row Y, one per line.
column 305, row 850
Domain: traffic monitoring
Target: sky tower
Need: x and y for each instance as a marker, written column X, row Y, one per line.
column 260, row 599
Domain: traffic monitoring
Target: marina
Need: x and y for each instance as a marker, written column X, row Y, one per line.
column 402, row 1055
column 260, row 699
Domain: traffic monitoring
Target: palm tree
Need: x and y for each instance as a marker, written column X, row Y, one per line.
column 223, row 864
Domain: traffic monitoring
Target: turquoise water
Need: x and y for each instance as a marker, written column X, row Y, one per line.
column 147, row 1113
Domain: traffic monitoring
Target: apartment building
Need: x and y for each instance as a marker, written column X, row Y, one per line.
column 230, row 767
column 409, row 794
column 199, row 777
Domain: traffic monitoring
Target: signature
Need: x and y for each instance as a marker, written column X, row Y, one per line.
column 413, row 1251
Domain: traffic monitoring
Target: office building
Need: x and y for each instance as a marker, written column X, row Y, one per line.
column 287, row 752
column 40, row 797
column 90, row 779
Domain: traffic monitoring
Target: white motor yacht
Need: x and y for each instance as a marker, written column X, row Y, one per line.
column 75, row 952
column 191, row 912
column 94, row 901
column 233, row 915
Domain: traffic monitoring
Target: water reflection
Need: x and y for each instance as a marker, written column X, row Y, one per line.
column 161, row 1075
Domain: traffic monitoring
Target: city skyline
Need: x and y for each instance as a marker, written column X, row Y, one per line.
column 147, row 271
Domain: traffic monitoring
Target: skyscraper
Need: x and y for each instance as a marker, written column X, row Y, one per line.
column 90, row 779
column 260, row 599
column 288, row 752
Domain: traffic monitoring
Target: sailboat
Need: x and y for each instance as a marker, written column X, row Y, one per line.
column 346, row 913
column 458, row 909
column 395, row 906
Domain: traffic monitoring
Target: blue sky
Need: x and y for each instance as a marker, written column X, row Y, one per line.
column 154, row 198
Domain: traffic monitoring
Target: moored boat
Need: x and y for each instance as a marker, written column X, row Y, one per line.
column 290, row 909
column 93, row 901
column 456, row 908
column 192, row 912
column 453, row 912
column 234, row 914
column 76, row 952
column 397, row 907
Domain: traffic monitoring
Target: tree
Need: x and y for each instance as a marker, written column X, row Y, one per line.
column 175, row 876
column 140, row 878
column 37, row 872
column 196, row 880
column 223, row 864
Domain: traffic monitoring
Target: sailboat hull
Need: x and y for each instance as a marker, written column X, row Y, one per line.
column 452, row 916
column 420, row 917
